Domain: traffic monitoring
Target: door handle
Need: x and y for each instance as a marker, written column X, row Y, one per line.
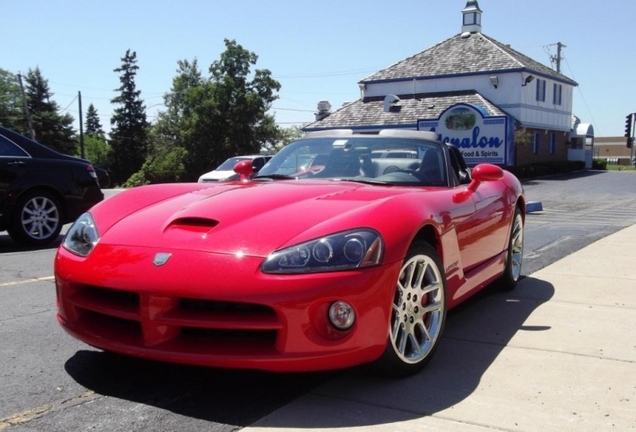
column 16, row 163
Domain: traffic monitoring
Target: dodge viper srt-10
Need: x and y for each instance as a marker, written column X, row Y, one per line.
column 344, row 249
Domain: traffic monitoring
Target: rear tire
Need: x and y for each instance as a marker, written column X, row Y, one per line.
column 37, row 219
column 514, row 259
column 418, row 313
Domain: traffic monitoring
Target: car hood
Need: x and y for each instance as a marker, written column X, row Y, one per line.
column 252, row 218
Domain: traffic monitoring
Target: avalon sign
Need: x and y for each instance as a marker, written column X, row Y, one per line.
column 480, row 138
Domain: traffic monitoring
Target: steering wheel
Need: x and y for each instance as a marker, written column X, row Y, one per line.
column 417, row 174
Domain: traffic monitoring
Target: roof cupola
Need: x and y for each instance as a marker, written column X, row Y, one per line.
column 471, row 16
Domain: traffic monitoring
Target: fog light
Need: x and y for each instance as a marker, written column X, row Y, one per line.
column 341, row 315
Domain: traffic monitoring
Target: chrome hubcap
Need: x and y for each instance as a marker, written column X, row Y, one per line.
column 40, row 218
column 516, row 243
column 418, row 309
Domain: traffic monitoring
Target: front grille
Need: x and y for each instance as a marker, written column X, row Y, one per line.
column 196, row 326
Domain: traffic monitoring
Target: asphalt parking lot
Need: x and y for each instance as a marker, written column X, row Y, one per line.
column 558, row 353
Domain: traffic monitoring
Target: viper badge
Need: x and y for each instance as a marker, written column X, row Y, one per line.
column 161, row 258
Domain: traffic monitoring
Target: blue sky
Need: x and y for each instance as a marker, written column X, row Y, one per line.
column 317, row 50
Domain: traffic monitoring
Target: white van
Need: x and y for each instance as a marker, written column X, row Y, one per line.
column 225, row 171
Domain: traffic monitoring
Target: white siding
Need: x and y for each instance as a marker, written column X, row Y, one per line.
column 510, row 95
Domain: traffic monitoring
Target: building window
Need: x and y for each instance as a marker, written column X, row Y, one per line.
column 541, row 90
column 558, row 92
column 472, row 18
column 553, row 140
column 536, row 143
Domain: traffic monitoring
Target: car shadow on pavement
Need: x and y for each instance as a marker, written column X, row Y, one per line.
column 8, row 245
column 235, row 397
column 475, row 335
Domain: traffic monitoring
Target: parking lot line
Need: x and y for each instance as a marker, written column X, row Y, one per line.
column 25, row 281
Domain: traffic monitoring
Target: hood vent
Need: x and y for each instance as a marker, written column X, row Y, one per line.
column 192, row 224
column 196, row 221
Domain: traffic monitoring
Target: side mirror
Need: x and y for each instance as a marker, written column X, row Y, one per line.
column 244, row 169
column 484, row 172
column 481, row 173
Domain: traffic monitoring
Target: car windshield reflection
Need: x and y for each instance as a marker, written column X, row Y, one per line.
column 369, row 159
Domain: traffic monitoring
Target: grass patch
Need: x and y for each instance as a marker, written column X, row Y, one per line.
column 621, row 168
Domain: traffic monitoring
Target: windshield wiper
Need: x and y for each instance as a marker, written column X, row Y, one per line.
column 275, row 177
column 366, row 181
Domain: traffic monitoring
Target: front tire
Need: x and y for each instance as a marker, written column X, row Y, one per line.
column 37, row 219
column 418, row 313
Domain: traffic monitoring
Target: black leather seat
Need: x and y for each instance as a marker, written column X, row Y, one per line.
column 431, row 168
column 341, row 164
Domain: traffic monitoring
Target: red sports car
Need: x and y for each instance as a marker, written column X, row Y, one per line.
column 345, row 249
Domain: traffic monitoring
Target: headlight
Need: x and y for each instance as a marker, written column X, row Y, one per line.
column 82, row 236
column 342, row 251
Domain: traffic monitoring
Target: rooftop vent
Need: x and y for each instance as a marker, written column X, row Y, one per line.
column 324, row 110
column 390, row 101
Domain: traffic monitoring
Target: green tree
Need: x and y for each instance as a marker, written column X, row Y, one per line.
column 287, row 135
column 164, row 165
column 226, row 115
column 129, row 132
column 52, row 129
column 11, row 107
column 522, row 137
column 165, row 162
column 93, row 126
column 97, row 150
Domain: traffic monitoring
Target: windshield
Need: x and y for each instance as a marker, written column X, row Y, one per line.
column 376, row 159
column 228, row 165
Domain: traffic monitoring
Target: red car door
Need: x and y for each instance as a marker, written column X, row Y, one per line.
column 483, row 235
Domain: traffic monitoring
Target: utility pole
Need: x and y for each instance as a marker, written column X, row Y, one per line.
column 557, row 58
column 629, row 134
column 26, row 108
column 81, row 126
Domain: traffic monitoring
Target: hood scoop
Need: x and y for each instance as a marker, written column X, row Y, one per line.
column 193, row 225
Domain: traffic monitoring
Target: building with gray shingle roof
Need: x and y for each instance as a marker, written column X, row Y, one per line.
column 465, row 55
column 474, row 75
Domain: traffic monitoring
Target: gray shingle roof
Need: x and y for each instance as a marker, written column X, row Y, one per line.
column 370, row 111
column 460, row 55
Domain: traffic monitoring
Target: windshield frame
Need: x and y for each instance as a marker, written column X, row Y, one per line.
column 298, row 160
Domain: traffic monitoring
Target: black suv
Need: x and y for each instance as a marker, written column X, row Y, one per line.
column 41, row 189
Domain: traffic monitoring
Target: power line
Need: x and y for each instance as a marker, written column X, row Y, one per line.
column 292, row 109
column 326, row 74
column 69, row 104
column 581, row 93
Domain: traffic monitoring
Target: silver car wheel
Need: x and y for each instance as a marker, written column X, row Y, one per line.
column 418, row 309
column 516, row 243
column 40, row 217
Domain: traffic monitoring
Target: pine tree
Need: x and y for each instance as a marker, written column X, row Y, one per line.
column 128, row 136
column 166, row 156
column 52, row 129
column 93, row 126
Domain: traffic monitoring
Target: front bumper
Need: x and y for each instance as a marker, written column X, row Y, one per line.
column 220, row 310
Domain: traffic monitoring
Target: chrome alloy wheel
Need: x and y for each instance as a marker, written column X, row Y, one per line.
column 40, row 217
column 516, row 244
column 418, row 309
